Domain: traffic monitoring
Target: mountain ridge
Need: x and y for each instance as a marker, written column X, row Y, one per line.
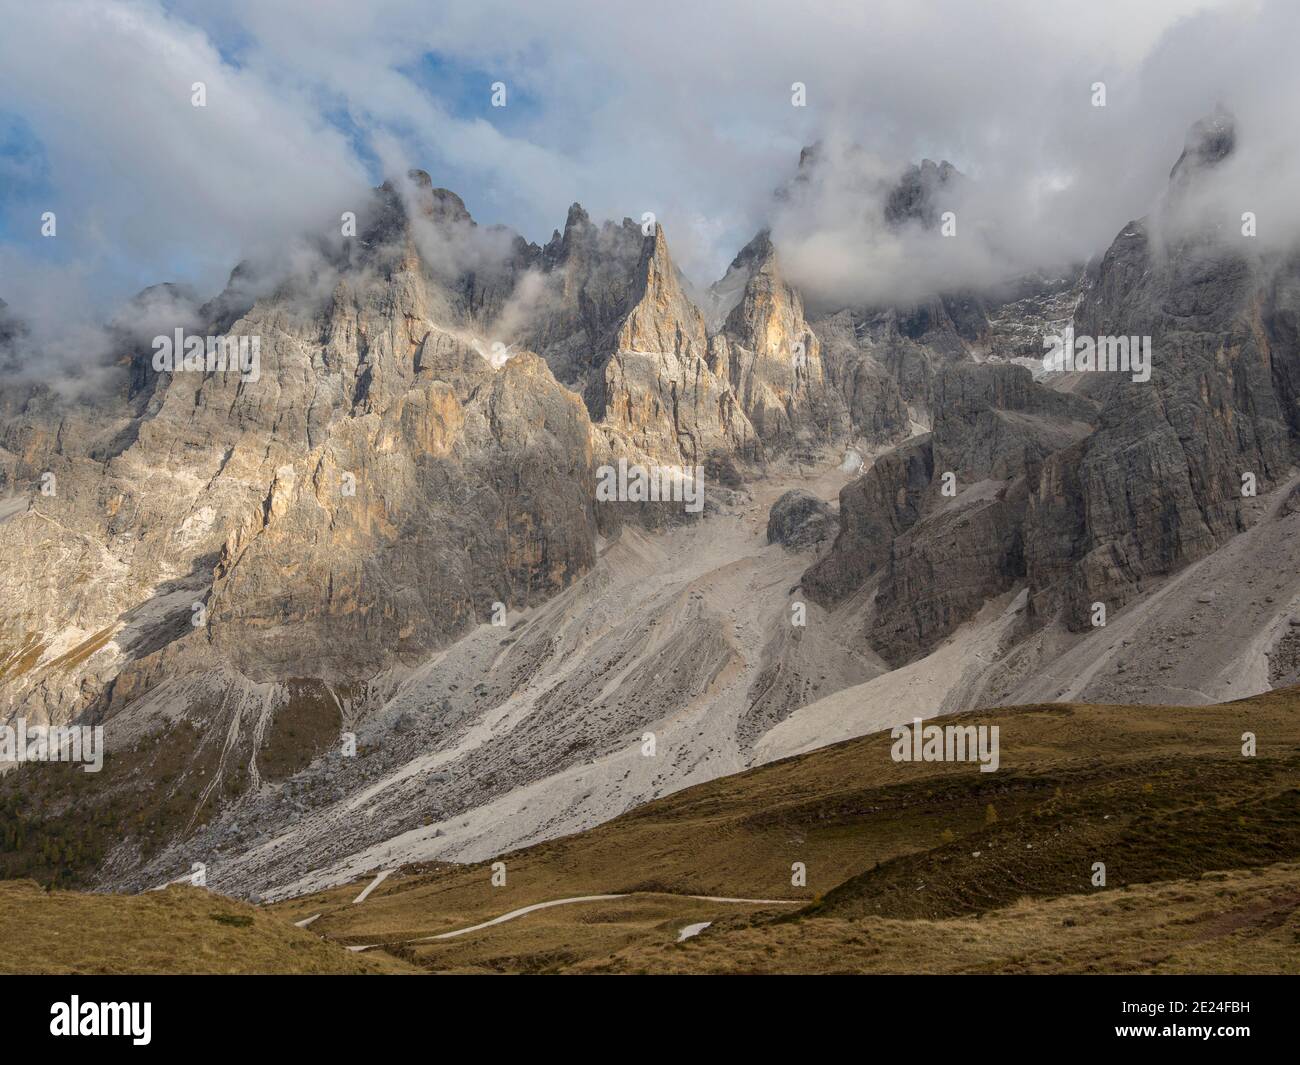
column 393, row 532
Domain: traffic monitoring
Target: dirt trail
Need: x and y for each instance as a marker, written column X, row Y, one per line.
column 523, row 910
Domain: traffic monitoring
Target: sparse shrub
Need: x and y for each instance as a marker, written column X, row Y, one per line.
column 234, row 920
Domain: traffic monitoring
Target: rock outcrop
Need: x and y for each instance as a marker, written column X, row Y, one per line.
column 772, row 357
column 799, row 519
column 657, row 392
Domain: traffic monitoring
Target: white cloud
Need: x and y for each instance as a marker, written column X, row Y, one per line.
column 679, row 108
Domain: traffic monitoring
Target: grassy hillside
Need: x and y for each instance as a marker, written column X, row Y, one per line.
column 1160, row 795
column 181, row 929
column 931, row 867
column 1240, row 922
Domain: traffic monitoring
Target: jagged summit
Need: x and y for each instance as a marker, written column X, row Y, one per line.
column 913, row 192
column 435, row 203
column 1209, row 141
column 918, row 196
column 759, row 249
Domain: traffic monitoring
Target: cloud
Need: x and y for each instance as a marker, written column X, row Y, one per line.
column 144, row 185
column 680, row 109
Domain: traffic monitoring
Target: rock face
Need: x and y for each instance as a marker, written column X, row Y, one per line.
column 584, row 287
column 772, row 357
column 993, row 426
column 1082, row 496
column 863, row 367
column 944, row 568
column 938, row 521
column 994, row 422
column 1022, row 311
column 607, row 309
column 879, row 506
column 1209, row 141
column 1161, row 482
column 919, row 194
column 799, row 519
column 659, row 394
column 366, row 499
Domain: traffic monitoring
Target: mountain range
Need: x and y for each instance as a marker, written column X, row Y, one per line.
column 363, row 607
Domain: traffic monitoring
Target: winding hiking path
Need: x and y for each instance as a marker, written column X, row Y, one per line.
column 584, row 898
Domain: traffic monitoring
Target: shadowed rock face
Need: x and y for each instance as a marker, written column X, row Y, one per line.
column 919, row 193
column 1160, row 482
column 1125, row 480
column 1209, row 141
column 943, row 569
column 589, row 272
column 875, row 509
column 799, row 519
column 993, row 421
column 873, row 378
column 938, row 521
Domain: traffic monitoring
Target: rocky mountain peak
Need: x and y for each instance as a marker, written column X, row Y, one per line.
column 758, row 252
column 662, row 318
column 578, row 232
column 577, row 219
column 769, row 311
column 438, row 204
column 917, row 195
column 1209, row 141
column 393, row 207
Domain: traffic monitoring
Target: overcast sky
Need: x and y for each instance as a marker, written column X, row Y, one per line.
column 683, row 109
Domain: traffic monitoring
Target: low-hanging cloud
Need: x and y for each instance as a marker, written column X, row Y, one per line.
column 685, row 111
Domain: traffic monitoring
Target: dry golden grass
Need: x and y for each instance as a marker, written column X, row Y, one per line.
column 1241, row 922
column 181, row 929
column 1158, row 793
column 906, row 872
